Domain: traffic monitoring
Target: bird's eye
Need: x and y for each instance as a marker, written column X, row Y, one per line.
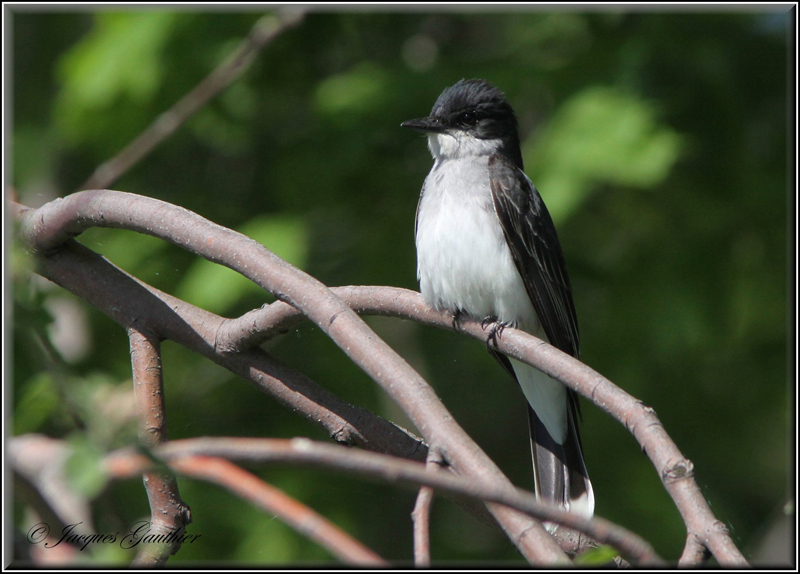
column 468, row 118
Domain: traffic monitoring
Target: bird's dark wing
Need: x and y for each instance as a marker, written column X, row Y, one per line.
column 531, row 236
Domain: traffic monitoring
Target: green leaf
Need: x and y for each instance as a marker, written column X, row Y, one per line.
column 217, row 288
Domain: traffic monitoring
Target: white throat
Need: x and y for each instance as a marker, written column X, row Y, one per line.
column 459, row 145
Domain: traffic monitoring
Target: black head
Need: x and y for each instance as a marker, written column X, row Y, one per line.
column 477, row 108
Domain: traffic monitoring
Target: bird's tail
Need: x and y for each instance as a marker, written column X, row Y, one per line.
column 559, row 473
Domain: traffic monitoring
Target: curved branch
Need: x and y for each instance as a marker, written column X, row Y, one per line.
column 48, row 227
column 312, row 454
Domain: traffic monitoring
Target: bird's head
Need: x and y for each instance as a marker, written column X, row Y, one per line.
column 470, row 118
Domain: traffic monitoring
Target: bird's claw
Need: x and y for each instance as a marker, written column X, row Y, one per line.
column 496, row 329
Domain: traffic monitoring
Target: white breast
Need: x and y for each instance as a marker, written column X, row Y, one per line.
column 463, row 261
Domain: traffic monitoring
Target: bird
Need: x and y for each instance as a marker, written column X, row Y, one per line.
column 487, row 248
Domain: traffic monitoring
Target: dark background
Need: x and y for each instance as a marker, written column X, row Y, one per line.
column 658, row 141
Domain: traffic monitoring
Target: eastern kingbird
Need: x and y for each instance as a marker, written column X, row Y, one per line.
column 487, row 247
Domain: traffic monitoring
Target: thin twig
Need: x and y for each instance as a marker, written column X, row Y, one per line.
column 168, row 513
column 421, row 515
column 261, row 35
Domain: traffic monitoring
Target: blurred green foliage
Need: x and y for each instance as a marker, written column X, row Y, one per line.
column 601, row 135
column 657, row 140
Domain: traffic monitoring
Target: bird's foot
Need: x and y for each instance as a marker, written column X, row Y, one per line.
column 495, row 328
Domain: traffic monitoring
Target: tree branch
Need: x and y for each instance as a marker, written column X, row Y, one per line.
column 168, row 513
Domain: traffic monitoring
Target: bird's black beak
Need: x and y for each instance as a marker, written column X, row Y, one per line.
column 426, row 125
